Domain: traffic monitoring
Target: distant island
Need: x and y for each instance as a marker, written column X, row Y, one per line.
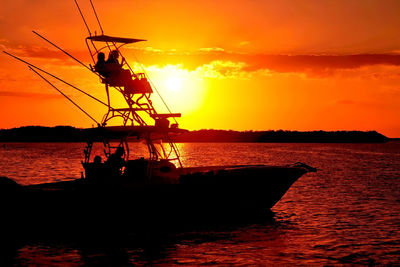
column 71, row 134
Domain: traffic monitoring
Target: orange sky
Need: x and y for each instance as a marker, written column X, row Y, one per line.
column 242, row 65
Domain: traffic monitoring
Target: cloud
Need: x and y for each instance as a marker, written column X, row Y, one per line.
column 32, row 51
column 312, row 65
column 212, row 49
column 319, row 63
column 29, row 95
column 215, row 69
column 52, row 55
column 147, row 49
column 223, row 70
column 218, row 62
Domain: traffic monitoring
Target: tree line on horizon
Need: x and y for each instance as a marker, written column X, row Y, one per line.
column 72, row 134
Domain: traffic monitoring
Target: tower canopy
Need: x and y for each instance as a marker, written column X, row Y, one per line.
column 106, row 38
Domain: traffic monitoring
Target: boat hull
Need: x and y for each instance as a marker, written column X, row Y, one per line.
column 197, row 193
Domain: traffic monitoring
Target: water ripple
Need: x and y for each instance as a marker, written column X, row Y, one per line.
column 346, row 213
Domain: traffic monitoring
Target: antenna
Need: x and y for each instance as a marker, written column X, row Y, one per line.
column 61, row 80
column 98, row 21
column 64, row 95
column 65, row 52
column 155, row 88
column 83, row 18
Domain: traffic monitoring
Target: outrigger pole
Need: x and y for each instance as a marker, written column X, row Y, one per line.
column 95, row 13
column 154, row 86
column 102, row 32
column 76, row 88
column 52, row 85
column 65, row 52
column 83, row 18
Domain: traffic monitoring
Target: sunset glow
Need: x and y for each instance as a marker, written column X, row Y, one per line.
column 258, row 65
column 174, row 84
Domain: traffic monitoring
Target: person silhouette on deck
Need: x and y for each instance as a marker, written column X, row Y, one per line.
column 115, row 75
column 100, row 66
column 112, row 63
column 113, row 57
column 119, row 76
column 115, row 161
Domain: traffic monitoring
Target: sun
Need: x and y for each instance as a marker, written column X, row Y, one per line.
column 181, row 89
column 173, row 83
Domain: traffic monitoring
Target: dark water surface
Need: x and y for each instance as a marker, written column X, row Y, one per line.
column 346, row 213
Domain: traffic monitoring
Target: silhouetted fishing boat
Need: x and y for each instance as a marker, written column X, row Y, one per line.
column 156, row 184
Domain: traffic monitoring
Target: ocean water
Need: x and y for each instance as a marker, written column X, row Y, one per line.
column 347, row 213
